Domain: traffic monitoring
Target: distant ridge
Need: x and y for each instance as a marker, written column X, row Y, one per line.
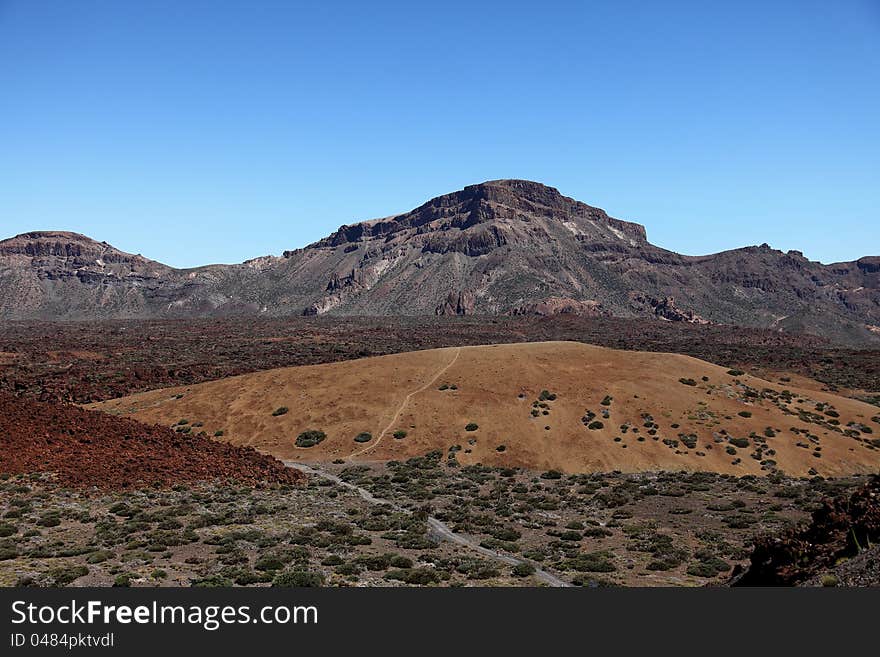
column 499, row 247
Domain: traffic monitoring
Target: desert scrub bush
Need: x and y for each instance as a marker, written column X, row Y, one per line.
column 7, row 530
column 415, row 576
column 742, row 443
column 829, row 581
column 64, row 575
column 399, row 561
column 606, row 401
column 363, row 437
column 269, row 562
column 546, row 395
column 99, row 556
column 745, row 414
column 595, row 425
column 212, row 581
column 523, row 569
column 597, row 532
column 281, row 410
column 711, row 567
column 687, row 382
column 735, row 372
column 49, row 519
column 310, row 438
column 298, row 578
column 471, row 426
column 590, row 562
column 400, row 434
column 219, row 433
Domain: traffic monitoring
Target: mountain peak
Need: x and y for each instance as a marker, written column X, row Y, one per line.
column 508, row 206
column 79, row 250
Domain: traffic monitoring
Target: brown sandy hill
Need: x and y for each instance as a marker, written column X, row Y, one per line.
column 85, row 449
column 668, row 411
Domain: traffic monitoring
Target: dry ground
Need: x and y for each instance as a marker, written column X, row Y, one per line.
column 660, row 412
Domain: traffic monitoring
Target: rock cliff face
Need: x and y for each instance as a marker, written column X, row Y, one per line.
column 500, row 247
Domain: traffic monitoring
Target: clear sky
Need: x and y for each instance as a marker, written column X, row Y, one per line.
column 197, row 132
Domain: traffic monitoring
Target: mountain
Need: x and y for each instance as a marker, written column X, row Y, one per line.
column 500, row 247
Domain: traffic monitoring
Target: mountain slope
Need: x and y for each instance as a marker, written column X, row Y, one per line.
column 507, row 246
column 563, row 405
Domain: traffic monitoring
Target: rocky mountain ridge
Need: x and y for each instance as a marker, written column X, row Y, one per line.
column 500, row 247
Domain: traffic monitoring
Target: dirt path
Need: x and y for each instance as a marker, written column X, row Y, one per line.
column 403, row 404
column 436, row 527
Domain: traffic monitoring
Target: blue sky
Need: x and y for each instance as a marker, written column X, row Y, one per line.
column 197, row 132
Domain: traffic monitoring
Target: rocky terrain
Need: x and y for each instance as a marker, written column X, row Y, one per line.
column 500, row 247
column 838, row 546
column 83, row 449
column 647, row 529
column 86, row 362
column 82, row 505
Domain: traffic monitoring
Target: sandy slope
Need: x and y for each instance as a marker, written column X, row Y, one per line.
column 496, row 388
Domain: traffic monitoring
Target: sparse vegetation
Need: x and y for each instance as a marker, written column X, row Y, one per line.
column 310, row 438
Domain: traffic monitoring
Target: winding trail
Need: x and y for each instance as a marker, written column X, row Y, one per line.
column 403, row 404
column 438, row 528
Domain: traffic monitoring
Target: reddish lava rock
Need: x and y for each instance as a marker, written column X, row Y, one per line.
column 91, row 449
column 841, row 527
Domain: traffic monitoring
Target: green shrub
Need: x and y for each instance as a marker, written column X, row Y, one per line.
column 99, row 556
column 298, row 578
column 595, row 425
column 49, row 519
column 523, row 569
column 399, row 561
column 735, row 372
column 210, row 582
column 64, row 575
column 400, row 434
column 745, row 414
column 123, row 580
column 310, row 438
column 363, row 437
column 471, row 426
column 829, row 580
column 590, row 562
column 281, row 410
column 269, row 562
column 687, row 382
column 416, row 576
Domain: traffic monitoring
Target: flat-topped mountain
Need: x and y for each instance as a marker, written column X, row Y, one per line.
column 500, row 247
